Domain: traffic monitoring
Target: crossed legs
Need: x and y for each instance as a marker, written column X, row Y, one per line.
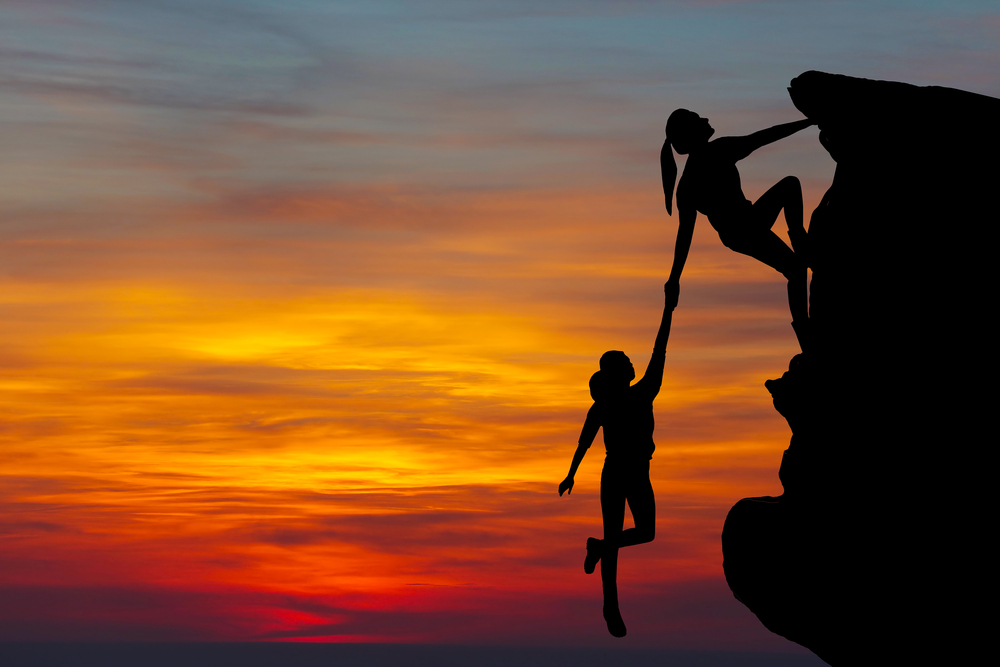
column 621, row 484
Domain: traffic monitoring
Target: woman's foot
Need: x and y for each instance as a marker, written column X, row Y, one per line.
column 616, row 626
column 594, row 548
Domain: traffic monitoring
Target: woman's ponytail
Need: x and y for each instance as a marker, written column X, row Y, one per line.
column 668, row 172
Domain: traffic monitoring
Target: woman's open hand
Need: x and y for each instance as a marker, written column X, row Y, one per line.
column 566, row 486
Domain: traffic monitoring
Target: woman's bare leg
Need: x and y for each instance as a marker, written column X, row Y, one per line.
column 619, row 486
column 758, row 241
column 767, row 247
column 785, row 194
column 643, row 506
column 613, row 484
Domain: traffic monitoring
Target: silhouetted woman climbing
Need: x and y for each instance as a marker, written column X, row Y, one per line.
column 711, row 184
column 625, row 412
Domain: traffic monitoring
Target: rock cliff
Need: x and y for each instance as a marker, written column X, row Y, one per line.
column 874, row 552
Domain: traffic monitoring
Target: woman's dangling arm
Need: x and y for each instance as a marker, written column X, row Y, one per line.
column 685, row 232
column 587, row 435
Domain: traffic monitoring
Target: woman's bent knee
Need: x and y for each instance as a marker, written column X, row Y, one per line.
column 791, row 181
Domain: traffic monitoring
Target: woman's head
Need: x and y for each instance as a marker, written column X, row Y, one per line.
column 686, row 130
column 617, row 369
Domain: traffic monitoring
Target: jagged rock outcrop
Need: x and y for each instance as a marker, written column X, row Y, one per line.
column 875, row 553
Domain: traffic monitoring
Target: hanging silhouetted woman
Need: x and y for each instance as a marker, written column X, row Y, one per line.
column 625, row 412
column 711, row 185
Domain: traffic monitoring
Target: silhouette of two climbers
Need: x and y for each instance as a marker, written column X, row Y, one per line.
column 625, row 412
column 711, row 184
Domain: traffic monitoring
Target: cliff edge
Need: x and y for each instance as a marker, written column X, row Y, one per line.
column 875, row 552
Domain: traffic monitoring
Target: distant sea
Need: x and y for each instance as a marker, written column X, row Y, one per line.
column 273, row 654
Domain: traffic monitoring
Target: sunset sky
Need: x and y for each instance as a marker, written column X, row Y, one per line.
column 300, row 299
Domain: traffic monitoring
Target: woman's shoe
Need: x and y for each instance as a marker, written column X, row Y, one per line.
column 616, row 626
column 594, row 548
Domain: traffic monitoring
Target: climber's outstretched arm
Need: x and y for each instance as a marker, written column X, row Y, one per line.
column 652, row 379
column 685, row 231
column 752, row 142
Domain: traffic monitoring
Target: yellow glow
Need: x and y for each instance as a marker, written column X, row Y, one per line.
column 352, row 441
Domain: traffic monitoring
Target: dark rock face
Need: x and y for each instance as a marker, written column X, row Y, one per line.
column 875, row 553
